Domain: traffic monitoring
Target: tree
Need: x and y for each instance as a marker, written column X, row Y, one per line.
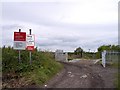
column 109, row 47
column 78, row 51
column 115, row 48
column 104, row 47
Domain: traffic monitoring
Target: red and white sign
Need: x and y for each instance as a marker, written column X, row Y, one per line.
column 30, row 48
column 19, row 36
column 30, row 42
column 19, row 40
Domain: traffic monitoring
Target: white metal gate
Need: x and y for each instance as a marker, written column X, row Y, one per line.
column 110, row 56
column 61, row 56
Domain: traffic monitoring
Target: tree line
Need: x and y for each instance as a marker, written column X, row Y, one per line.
column 80, row 53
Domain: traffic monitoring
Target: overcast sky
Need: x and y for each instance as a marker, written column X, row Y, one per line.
column 62, row 24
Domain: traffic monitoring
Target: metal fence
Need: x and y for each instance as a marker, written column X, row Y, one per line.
column 110, row 56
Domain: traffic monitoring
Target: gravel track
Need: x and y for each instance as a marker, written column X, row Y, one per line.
column 83, row 74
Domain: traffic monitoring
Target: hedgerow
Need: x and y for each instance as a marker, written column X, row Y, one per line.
column 43, row 66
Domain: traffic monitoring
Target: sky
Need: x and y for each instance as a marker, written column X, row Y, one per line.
column 62, row 24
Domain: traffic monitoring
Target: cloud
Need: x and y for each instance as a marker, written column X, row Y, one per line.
column 62, row 25
column 47, row 37
column 83, row 12
column 12, row 26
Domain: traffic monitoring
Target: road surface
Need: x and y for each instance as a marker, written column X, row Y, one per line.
column 83, row 74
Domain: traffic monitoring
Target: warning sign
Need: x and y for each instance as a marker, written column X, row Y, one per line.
column 30, row 42
column 19, row 40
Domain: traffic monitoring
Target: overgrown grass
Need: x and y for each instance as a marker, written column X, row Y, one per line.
column 117, row 75
column 43, row 66
column 117, row 81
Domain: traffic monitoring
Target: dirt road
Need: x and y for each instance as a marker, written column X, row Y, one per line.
column 83, row 74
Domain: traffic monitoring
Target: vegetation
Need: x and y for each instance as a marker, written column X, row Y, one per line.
column 113, row 64
column 78, row 52
column 117, row 75
column 43, row 67
column 108, row 48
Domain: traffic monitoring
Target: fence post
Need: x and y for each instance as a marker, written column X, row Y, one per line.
column 66, row 56
column 103, row 58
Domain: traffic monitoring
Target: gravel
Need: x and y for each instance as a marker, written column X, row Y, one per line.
column 83, row 74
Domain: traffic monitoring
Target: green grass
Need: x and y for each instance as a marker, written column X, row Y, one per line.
column 43, row 66
column 117, row 81
column 43, row 74
column 117, row 75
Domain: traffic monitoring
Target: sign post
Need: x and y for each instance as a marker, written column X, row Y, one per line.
column 19, row 50
column 19, row 41
column 30, row 43
column 30, row 51
column 19, row 57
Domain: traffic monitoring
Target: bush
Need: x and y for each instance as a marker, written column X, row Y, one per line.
column 43, row 65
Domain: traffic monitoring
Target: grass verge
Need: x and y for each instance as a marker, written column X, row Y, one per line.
column 16, row 75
